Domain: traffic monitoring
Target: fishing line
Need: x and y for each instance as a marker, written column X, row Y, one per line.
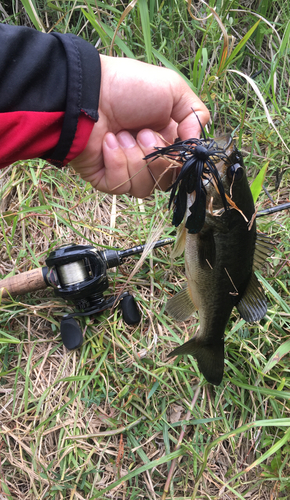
column 73, row 272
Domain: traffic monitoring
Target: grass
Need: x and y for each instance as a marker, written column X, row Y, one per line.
column 106, row 421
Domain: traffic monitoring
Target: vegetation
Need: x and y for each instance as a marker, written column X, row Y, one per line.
column 116, row 419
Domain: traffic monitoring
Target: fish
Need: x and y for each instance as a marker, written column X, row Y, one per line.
column 220, row 257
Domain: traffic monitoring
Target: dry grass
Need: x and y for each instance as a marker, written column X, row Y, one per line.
column 74, row 423
column 104, row 421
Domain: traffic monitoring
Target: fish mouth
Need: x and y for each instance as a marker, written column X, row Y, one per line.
column 211, row 184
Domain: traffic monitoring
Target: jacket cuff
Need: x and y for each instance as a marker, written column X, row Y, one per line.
column 83, row 132
column 82, row 95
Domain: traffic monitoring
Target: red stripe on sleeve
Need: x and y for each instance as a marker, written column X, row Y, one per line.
column 30, row 134
column 84, row 129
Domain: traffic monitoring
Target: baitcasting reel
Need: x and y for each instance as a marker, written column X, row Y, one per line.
column 79, row 273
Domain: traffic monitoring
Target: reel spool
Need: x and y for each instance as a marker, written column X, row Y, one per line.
column 77, row 272
column 73, row 273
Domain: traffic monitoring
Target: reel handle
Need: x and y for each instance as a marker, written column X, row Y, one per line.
column 23, row 283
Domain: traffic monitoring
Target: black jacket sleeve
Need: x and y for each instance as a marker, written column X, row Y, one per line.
column 48, row 73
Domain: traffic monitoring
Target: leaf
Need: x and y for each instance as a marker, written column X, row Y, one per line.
column 118, row 41
column 9, row 216
column 103, row 31
column 257, row 184
column 175, row 413
column 277, row 356
column 145, row 21
column 282, row 303
column 259, row 95
column 124, row 14
column 242, row 43
column 33, row 14
column 285, row 40
column 199, row 68
column 55, row 7
column 6, row 490
column 154, row 388
column 139, row 470
column 169, row 65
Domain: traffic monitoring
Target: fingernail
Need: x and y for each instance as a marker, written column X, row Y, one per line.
column 111, row 141
column 147, row 138
column 126, row 140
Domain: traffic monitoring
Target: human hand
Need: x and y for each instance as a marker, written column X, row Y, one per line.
column 136, row 101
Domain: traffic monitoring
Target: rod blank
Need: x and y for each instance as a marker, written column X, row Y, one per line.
column 272, row 210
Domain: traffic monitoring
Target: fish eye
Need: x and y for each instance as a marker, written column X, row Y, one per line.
column 235, row 172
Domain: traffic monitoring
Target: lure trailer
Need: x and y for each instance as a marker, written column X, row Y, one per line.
column 78, row 273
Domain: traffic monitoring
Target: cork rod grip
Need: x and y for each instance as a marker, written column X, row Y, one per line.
column 20, row 284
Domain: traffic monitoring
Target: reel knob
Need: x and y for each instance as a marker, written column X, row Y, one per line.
column 131, row 314
column 71, row 333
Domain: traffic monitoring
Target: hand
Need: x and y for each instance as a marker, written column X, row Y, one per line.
column 136, row 101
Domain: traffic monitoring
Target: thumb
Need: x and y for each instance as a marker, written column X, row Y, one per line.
column 185, row 102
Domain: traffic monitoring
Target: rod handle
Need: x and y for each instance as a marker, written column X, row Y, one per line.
column 23, row 283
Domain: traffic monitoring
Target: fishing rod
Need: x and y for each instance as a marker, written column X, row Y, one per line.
column 78, row 273
column 272, row 210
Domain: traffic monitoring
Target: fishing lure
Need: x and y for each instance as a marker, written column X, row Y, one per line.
column 198, row 158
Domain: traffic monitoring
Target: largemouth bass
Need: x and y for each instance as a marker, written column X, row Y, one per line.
column 220, row 260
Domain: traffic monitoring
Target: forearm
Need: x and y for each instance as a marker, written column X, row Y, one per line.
column 49, row 93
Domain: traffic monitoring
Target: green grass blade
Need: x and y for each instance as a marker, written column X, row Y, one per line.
column 285, row 40
column 122, row 46
column 145, row 21
column 282, row 350
column 241, row 43
column 199, row 68
column 31, row 11
column 140, row 470
column 90, row 16
column 257, row 184
column 277, row 297
column 169, row 65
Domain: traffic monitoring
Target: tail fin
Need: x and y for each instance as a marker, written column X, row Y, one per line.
column 210, row 358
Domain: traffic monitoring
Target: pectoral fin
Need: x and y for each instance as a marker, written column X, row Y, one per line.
column 253, row 305
column 179, row 242
column 210, row 358
column 180, row 307
column 263, row 249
